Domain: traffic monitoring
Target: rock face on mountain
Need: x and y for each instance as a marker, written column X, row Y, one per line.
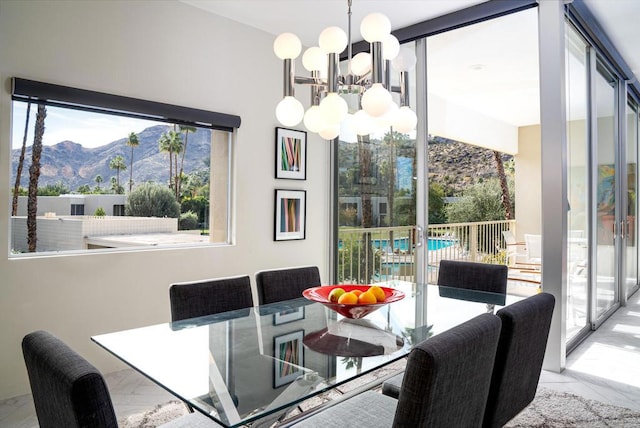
column 73, row 165
column 458, row 165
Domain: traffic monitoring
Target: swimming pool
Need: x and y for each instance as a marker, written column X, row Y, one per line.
column 402, row 244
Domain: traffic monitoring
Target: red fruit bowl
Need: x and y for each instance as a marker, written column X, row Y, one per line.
column 357, row 310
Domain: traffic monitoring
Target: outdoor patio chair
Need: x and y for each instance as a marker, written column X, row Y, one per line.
column 209, row 296
column 70, row 392
column 285, row 284
column 523, row 341
column 515, row 250
column 533, row 248
column 447, row 384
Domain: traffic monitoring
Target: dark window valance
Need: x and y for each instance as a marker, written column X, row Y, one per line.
column 99, row 102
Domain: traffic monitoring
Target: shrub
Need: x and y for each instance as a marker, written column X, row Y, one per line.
column 99, row 212
column 152, row 200
column 188, row 221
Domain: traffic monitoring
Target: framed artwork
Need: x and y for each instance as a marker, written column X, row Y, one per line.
column 288, row 358
column 289, row 315
column 290, row 218
column 291, row 154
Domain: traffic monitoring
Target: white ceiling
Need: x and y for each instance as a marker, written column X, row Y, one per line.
column 478, row 64
column 307, row 18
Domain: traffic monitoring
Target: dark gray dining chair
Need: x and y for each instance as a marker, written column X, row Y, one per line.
column 446, row 384
column 70, row 392
column 285, row 284
column 457, row 274
column 460, row 280
column 523, row 341
column 209, row 296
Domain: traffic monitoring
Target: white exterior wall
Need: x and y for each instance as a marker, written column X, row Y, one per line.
column 122, row 47
column 61, row 205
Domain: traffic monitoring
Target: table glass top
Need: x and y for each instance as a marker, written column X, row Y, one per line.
column 241, row 366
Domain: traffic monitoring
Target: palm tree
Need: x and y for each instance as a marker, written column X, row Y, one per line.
column 132, row 142
column 171, row 142
column 16, row 186
column 98, row 180
column 118, row 164
column 186, row 129
column 34, row 176
column 506, row 198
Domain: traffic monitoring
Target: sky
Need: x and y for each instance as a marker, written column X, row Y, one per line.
column 85, row 128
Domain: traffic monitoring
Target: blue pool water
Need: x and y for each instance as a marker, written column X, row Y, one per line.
column 402, row 244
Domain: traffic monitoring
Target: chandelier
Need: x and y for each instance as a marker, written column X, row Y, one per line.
column 368, row 77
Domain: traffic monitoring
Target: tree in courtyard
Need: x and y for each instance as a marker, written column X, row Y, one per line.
column 437, row 212
column 34, row 177
column 16, row 186
column 152, row 200
column 118, row 164
column 133, row 142
column 504, row 187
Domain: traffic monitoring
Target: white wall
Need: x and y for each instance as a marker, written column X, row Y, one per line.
column 528, row 182
column 167, row 52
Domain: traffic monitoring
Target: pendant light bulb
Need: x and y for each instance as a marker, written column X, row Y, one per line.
column 289, row 111
column 376, row 100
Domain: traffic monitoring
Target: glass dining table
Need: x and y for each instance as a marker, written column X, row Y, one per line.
column 251, row 365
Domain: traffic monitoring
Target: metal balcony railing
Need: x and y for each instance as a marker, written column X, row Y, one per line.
column 388, row 253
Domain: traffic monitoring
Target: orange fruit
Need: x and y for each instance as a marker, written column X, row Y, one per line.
column 356, row 292
column 348, row 299
column 367, row 298
column 378, row 292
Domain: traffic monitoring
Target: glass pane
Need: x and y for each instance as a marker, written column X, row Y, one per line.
column 484, row 145
column 578, row 182
column 631, row 274
column 377, row 200
column 605, row 101
column 113, row 182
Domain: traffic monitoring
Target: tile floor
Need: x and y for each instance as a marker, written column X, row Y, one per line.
column 605, row 367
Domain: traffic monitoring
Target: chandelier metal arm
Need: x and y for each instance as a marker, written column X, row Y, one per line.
column 368, row 75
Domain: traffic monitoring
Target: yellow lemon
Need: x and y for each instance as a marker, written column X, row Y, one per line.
column 348, row 299
column 367, row 298
column 378, row 292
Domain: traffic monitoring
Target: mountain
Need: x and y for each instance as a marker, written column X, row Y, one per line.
column 73, row 165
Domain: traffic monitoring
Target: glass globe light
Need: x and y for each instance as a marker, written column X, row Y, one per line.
column 406, row 120
column 375, row 27
column 361, row 64
column 287, row 46
column 313, row 119
column 334, row 108
column 289, row 111
column 388, row 119
column 330, row 132
column 390, row 47
column 363, row 123
column 404, row 61
column 347, row 131
column 376, row 100
column 314, row 59
column 333, row 40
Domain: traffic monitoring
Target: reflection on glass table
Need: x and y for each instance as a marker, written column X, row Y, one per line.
column 252, row 365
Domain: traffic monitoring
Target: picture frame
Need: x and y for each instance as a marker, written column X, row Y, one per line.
column 288, row 358
column 290, row 214
column 288, row 315
column 291, row 154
